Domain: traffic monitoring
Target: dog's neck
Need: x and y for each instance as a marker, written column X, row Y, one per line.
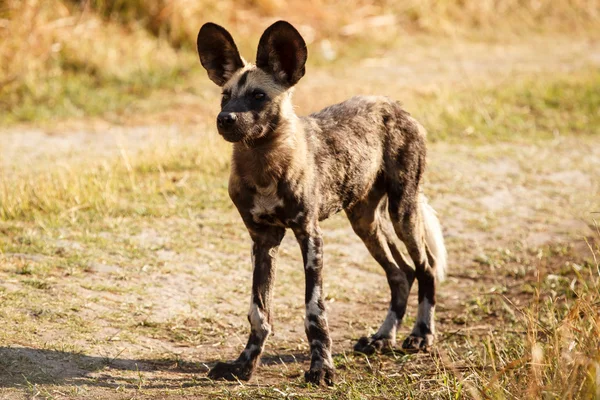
column 276, row 156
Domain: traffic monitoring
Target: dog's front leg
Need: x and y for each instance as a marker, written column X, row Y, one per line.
column 264, row 253
column 315, row 323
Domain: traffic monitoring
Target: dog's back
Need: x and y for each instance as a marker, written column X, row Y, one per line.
column 355, row 144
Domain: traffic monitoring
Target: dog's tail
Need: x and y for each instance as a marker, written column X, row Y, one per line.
column 434, row 237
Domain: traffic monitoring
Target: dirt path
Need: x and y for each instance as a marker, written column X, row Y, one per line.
column 160, row 299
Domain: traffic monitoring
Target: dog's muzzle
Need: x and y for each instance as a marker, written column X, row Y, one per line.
column 226, row 120
column 228, row 127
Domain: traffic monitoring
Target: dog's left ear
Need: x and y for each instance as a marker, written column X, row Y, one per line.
column 282, row 52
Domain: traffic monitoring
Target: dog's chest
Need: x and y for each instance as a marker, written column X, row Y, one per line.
column 267, row 205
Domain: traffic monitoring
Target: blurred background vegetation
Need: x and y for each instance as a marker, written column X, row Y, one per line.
column 75, row 58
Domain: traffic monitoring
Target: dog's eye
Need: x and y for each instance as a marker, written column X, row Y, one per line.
column 258, row 95
column 226, row 96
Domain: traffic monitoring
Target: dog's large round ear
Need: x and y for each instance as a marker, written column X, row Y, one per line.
column 282, row 52
column 218, row 53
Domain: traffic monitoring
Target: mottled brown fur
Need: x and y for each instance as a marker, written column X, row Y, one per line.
column 365, row 156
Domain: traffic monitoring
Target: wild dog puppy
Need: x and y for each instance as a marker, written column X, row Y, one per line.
column 365, row 156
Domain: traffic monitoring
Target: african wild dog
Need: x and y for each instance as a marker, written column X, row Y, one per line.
column 365, row 156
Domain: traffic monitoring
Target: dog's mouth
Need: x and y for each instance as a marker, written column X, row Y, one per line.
column 231, row 135
column 249, row 134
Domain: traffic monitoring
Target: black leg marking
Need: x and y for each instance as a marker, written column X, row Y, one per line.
column 315, row 324
column 264, row 253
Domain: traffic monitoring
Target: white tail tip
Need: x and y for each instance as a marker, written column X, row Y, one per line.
column 434, row 238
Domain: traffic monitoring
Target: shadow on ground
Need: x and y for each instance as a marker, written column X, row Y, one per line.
column 22, row 366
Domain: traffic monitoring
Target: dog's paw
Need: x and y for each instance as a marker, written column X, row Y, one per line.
column 231, row 371
column 316, row 376
column 415, row 343
column 373, row 345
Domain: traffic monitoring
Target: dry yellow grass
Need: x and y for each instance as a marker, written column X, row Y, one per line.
column 179, row 19
column 49, row 49
column 561, row 357
column 48, row 37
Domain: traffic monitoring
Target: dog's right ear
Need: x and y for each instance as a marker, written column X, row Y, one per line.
column 218, row 53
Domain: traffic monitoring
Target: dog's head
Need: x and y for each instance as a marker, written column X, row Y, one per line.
column 254, row 96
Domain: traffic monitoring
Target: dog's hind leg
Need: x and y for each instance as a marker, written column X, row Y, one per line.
column 417, row 226
column 368, row 219
column 414, row 221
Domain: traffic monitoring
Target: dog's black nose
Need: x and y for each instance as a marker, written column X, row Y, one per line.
column 226, row 119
